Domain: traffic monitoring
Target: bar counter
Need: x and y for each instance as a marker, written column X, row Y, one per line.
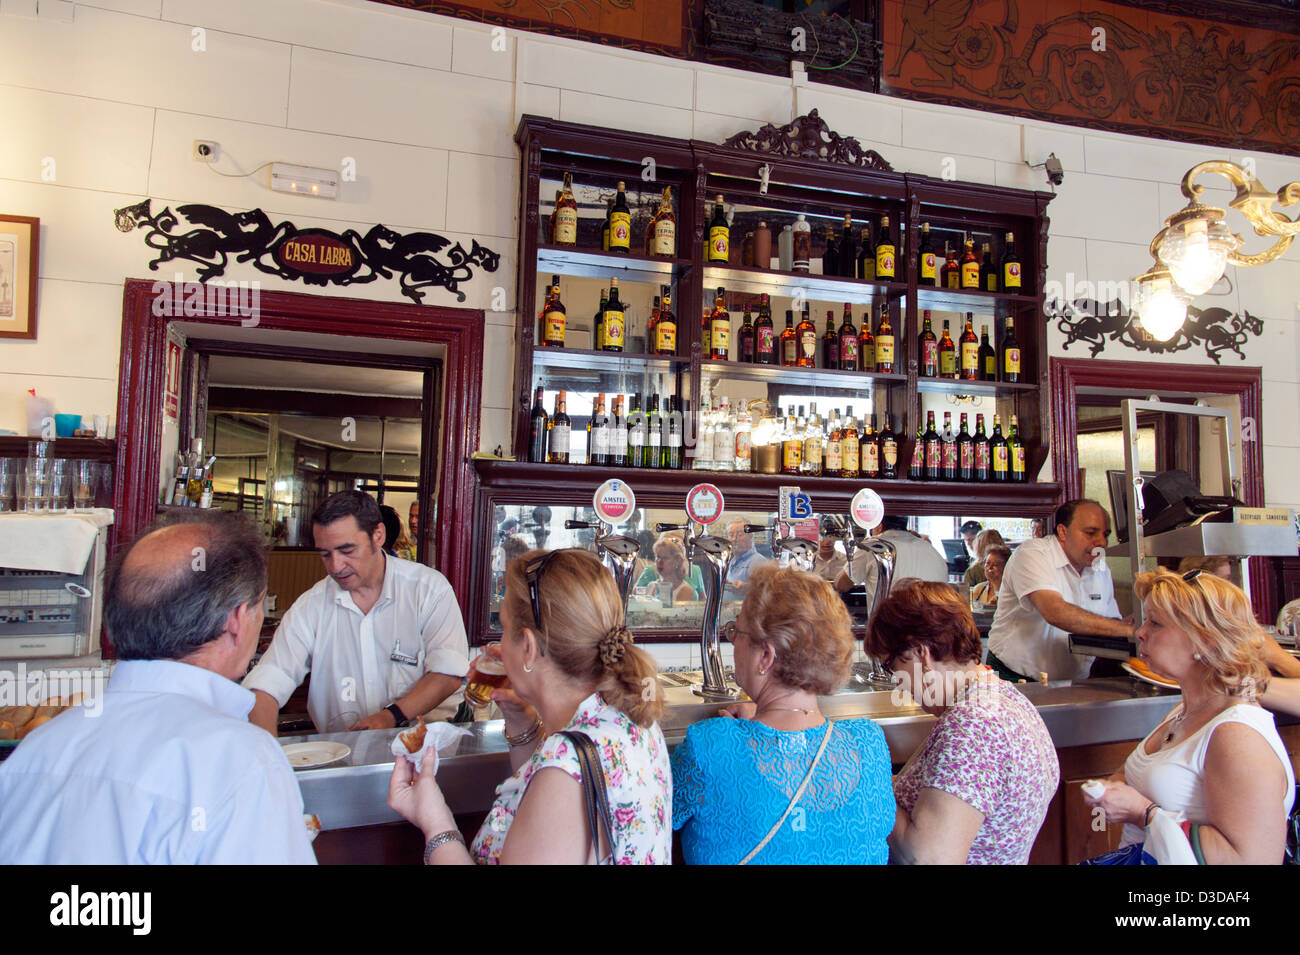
column 354, row 791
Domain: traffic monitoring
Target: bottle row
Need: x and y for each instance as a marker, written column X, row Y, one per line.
column 858, row 253
column 193, row 486
column 727, row 439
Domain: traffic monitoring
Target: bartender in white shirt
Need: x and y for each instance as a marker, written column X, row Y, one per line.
column 914, row 559
column 1052, row 587
column 382, row 637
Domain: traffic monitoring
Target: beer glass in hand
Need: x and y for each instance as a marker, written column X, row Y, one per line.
column 486, row 674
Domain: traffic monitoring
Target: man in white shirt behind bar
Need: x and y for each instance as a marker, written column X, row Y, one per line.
column 1052, row 587
column 382, row 637
column 169, row 771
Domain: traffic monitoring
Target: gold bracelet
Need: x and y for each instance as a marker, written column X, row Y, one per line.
column 527, row 736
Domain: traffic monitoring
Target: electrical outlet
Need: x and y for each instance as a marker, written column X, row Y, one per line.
column 204, row 150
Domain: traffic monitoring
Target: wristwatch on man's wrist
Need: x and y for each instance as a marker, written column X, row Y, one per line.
column 398, row 716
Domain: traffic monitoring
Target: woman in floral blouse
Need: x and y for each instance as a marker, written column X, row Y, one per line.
column 572, row 666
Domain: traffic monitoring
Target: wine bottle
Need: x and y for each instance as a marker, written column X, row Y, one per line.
column 948, row 449
column 565, row 219
column 598, row 434
column 806, row 334
column 1011, row 266
column 612, row 325
column 947, row 354
column 1010, row 353
column 988, row 272
column 848, row 341
column 965, row 452
column 983, row 453
column 928, row 348
column 764, row 335
column 719, row 234
column 654, row 437
column 636, row 433
column 831, row 255
column 933, row 451
column 848, row 249
column 867, row 257
column 998, row 452
column 789, row 341
column 988, row 357
column 926, row 274
column 747, row 335
column 618, row 438
column 916, row 469
column 620, row 223
column 538, row 426
column 830, row 343
column 665, row 333
column 598, row 322
column 672, row 450
column 719, row 328
column 557, row 442
column 604, row 229
column 1016, row 452
column 970, row 351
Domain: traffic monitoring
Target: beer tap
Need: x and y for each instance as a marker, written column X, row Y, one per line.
column 618, row 552
column 788, row 550
column 886, row 557
column 712, row 555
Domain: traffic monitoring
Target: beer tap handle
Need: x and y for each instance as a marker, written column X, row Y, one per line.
column 571, row 525
column 757, row 528
column 662, row 528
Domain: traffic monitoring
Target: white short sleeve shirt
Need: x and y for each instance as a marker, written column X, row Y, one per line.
column 1020, row 637
column 361, row 663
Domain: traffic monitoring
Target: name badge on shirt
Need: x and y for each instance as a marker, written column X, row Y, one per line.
column 1094, row 596
column 397, row 656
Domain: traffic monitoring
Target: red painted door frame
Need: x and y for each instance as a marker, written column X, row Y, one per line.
column 141, row 383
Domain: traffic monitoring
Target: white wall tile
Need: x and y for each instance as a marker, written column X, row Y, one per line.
column 139, row 8
column 1043, row 139
column 537, row 100
column 351, row 96
column 1281, row 476
column 132, row 59
column 67, row 345
column 953, row 133
column 586, row 67
column 766, row 99
column 959, row 167
column 70, row 395
column 716, row 127
column 1104, row 207
column 498, row 366
column 483, row 195
column 1281, row 424
column 598, row 110
column 481, row 51
column 381, row 32
column 494, row 429
column 1277, row 351
column 1135, row 158
column 78, row 142
column 1017, row 175
column 872, row 120
column 393, row 183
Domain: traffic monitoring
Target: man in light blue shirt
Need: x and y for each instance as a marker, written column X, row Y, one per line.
column 165, row 767
column 743, row 560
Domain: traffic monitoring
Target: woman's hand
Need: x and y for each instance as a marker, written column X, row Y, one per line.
column 417, row 798
column 739, row 711
column 1121, row 803
column 519, row 716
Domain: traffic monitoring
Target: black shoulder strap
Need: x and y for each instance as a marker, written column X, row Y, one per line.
column 594, row 792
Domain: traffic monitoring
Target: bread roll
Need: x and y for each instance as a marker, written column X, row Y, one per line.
column 32, row 724
column 7, row 730
column 20, row 715
column 47, row 710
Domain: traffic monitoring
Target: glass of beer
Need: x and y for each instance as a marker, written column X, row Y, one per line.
column 486, row 674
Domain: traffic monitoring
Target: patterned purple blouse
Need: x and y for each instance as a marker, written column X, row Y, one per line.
column 992, row 751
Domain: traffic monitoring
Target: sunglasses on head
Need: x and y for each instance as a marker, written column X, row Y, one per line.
column 533, row 571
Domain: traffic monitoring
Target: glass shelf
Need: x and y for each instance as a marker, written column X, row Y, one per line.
column 594, row 264
column 584, row 370
column 815, row 288
column 969, row 300
column 807, row 377
column 991, row 389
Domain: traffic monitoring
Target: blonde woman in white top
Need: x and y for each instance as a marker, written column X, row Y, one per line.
column 1217, row 757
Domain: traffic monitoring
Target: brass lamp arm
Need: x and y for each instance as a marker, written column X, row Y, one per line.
column 1254, row 202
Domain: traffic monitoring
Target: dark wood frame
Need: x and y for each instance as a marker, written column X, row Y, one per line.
column 33, row 275
column 460, row 331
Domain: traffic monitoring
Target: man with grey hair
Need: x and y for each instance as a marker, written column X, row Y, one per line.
column 170, row 770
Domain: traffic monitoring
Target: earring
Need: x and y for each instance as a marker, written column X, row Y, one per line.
column 1196, row 656
column 762, row 673
column 527, row 668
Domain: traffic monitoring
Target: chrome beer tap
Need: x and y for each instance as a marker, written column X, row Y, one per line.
column 886, row 558
column 790, row 551
column 618, row 552
column 712, row 555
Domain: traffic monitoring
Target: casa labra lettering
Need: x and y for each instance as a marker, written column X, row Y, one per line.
column 212, row 238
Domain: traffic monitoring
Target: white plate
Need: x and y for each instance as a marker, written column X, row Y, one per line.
column 316, row 753
column 1146, row 679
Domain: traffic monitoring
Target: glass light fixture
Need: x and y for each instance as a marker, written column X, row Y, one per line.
column 1160, row 305
column 1195, row 245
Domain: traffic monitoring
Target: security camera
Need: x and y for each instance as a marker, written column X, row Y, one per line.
column 1055, row 172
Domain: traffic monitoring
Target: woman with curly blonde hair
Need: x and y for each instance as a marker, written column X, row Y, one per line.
column 1217, row 758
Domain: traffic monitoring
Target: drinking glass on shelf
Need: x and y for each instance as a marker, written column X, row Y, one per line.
column 87, row 473
column 104, row 484
column 7, row 468
column 38, row 484
column 60, row 484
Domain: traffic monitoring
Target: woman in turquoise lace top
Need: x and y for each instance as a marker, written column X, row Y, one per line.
column 734, row 777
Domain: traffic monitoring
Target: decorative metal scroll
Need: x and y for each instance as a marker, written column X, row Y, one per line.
column 808, row 137
column 210, row 238
column 1095, row 323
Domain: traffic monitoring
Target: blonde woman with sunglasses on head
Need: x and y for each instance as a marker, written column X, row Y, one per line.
column 1217, row 758
column 572, row 667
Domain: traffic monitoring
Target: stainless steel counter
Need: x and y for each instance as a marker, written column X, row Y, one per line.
column 354, row 792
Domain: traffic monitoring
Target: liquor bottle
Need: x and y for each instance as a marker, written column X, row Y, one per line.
column 834, row 456
column 764, row 335
column 965, row 452
column 598, row 322
column 665, row 332
column 1011, row 266
column 620, row 223
column 724, row 428
column 948, row 449
column 850, row 446
column 813, row 443
column 198, row 475
column 970, row 351
column 928, row 348
column 1010, row 362
column 806, row 336
column 177, row 495
column 205, row 499
column 719, row 328
column 789, row 341
column 885, row 252
column 637, row 429
column 604, row 229
column 612, row 326
column 551, row 332
column 661, row 233
column 672, row 450
column 791, row 445
column 1001, row 464
column 654, row 438
column 550, row 220
column 951, row 274
column 947, row 354
column 747, row 339
column 598, row 434
column 618, row 437
column 719, row 234
column 885, row 342
column 868, row 449
column 1016, row 452
column 743, row 439
column 988, row 272
column 916, row 469
column 867, row 257
column 801, row 245
column 888, row 452
column 565, row 228
column 983, row 452
column 538, row 425
column 970, row 266
column 831, row 256
column 988, row 357
column 848, row 341
column 926, row 274
column 650, row 325
column 933, row 449
column 830, row 343
column 557, row 441
column 848, row 249
column 704, row 437
column 866, row 344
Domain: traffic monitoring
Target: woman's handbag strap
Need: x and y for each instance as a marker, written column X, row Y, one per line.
column 595, row 794
column 798, row 794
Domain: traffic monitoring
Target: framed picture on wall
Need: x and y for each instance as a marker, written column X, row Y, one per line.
column 20, row 242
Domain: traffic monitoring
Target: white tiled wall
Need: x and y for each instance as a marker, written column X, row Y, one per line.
column 426, row 107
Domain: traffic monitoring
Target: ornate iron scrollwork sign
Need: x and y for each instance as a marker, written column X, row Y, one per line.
column 210, row 237
column 808, row 137
column 1095, row 323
